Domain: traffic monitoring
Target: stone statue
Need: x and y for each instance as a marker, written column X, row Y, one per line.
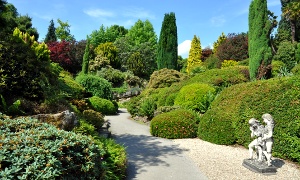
column 262, row 143
column 257, row 130
column 268, row 137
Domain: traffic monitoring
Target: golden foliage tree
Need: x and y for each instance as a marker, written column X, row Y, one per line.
column 217, row 43
column 194, row 58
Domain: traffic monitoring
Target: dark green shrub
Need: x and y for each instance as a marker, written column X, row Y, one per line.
column 133, row 105
column 34, row 150
column 147, row 108
column 165, row 78
column 212, row 62
column 286, row 53
column 94, row 118
column 227, row 120
column 103, row 106
column 179, row 123
column 196, row 97
column 95, row 85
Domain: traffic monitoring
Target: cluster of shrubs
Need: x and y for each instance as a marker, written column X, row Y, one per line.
column 224, row 100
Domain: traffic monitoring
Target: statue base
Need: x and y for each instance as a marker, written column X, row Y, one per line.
column 259, row 167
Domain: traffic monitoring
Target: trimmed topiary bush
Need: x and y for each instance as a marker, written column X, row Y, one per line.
column 226, row 122
column 103, row 106
column 33, row 150
column 165, row 78
column 180, row 123
column 94, row 118
column 196, row 97
column 95, row 85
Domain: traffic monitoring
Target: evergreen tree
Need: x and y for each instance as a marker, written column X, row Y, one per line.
column 86, row 57
column 292, row 13
column 220, row 40
column 260, row 53
column 195, row 53
column 167, row 52
column 51, row 36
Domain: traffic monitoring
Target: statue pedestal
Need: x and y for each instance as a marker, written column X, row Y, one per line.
column 259, row 167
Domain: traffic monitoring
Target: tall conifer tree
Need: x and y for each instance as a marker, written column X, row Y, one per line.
column 86, row 57
column 260, row 53
column 194, row 54
column 51, row 36
column 167, row 52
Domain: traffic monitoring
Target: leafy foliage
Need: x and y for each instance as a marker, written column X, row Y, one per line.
column 95, row 85
column 175, row 124
column 63, row 31
column 34, row 150
column 115, row 76
column 103, row 106
column 235, row 47
column 229, row 63
column 195, row 97
column 276, row 66
column 148, row 106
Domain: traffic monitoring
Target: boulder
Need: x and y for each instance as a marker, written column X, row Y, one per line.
column 65, row 120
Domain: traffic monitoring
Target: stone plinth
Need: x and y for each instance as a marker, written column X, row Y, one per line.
column 259, row 167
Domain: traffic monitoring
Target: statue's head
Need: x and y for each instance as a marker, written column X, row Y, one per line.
column 253, row 121
column 268, row 118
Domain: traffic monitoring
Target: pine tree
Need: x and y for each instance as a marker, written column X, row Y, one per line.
column 86, row 57
column 194, row 59
column 260, row 53
column 216, row 44
column 167, row 52
column 51, row 36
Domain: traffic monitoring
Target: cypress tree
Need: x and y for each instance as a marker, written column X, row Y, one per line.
column 51, row 36
column 260, row 53
column 86, row 57
column 194, row 54
column 167, row 52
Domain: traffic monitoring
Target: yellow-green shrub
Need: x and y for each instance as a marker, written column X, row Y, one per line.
column 229, row 63
column 195, row 96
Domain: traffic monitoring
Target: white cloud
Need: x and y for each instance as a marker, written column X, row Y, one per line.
column 218, row 21
column 137, row 13
column 99, row 13
column 184, row 48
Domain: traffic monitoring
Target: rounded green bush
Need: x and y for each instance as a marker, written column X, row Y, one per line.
column 296, row 69
column 95, row 85
column 103, row 106
column 93, row 117
column 195, row 96
column 34, row 150
column 165, row 78
column 180, row 123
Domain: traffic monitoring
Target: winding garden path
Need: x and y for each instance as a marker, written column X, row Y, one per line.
column 150, row 157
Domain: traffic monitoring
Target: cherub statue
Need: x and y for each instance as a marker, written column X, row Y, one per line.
column 268, row 137
column 257, row 130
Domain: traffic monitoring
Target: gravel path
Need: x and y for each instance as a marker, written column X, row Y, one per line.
column 185, row 159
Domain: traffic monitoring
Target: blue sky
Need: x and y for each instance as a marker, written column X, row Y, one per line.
column 205, row 19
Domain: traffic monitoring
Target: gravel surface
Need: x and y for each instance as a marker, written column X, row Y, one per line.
column 225, row 162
